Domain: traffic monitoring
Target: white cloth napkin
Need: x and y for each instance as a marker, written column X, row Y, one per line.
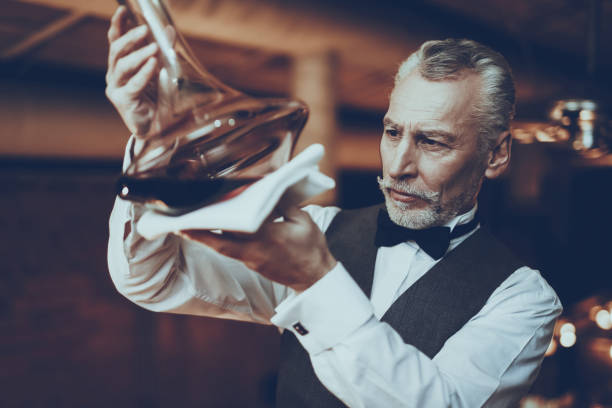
column 292, row 183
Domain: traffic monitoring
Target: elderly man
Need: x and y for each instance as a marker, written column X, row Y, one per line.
column 407, row 304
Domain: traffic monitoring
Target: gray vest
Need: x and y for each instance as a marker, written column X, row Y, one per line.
column 425, row 315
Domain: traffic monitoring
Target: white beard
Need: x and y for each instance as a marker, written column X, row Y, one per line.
column 432, row 215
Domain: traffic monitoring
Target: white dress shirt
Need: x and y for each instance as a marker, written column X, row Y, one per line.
column 490, row 362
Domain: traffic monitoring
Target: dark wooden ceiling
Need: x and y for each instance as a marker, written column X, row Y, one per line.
column 250, row 45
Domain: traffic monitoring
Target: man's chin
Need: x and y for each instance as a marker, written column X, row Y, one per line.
column 409, row 215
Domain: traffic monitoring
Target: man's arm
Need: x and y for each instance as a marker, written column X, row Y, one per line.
column 172, row 274
column 177, row 275
column 490, row 362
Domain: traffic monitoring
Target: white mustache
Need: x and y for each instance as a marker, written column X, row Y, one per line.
column 406, row 188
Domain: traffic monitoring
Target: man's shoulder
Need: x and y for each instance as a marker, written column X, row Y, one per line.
column 528, row 291
column 493, row 249
column 525, row 283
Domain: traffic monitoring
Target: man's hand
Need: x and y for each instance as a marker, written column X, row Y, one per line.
column 132, row 66
column 292, row 252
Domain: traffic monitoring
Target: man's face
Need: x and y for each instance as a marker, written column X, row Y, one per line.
column 432, row 168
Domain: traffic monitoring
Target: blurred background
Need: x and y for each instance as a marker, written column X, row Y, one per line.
column 68, row 339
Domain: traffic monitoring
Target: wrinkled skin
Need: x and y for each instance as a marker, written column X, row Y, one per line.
column 431, row 154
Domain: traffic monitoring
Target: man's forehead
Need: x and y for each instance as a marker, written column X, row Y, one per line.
column 418, row 102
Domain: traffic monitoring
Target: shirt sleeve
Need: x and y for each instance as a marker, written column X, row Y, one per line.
column 172, row 274
column 490, row 362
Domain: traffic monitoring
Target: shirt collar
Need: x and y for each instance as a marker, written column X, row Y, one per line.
column 462, row 218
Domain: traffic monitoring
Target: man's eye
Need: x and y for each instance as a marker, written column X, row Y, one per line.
column 425, row 141
column 391, row 132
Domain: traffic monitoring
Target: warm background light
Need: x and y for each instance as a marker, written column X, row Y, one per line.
column 552, row 348
column 603, row 319
column 567, row 339
column 567, row 327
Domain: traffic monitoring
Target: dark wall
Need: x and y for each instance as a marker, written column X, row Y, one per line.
column 68, row 339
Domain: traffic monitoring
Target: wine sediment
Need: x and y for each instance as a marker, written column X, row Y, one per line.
column 180, row 195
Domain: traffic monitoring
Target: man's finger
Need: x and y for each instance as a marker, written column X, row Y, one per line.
column 222, row 243
column 139, row 81
column 206, row 237
column 117, row 24
column 130, row 63
column 125, row 44
column 275, row 216
column 292, row 213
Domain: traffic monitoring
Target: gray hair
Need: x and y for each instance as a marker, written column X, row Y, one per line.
column 450, row 59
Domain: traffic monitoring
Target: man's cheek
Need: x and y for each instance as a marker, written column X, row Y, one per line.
column 433, row 176
column 384, row 158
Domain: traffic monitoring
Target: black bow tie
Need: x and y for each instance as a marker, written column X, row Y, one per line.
column 434, row 241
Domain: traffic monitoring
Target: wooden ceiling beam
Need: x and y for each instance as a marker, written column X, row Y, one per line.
column 293, row 28
column 42, row 36
column 363, row 43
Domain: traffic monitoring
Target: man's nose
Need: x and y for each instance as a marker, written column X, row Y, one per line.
column 404, row 163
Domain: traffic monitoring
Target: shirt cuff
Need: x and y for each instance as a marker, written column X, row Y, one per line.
column 326, row 313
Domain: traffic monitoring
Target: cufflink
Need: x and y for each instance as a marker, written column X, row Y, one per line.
column 300, row 329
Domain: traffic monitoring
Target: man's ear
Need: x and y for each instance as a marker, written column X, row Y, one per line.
column 499, row 157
